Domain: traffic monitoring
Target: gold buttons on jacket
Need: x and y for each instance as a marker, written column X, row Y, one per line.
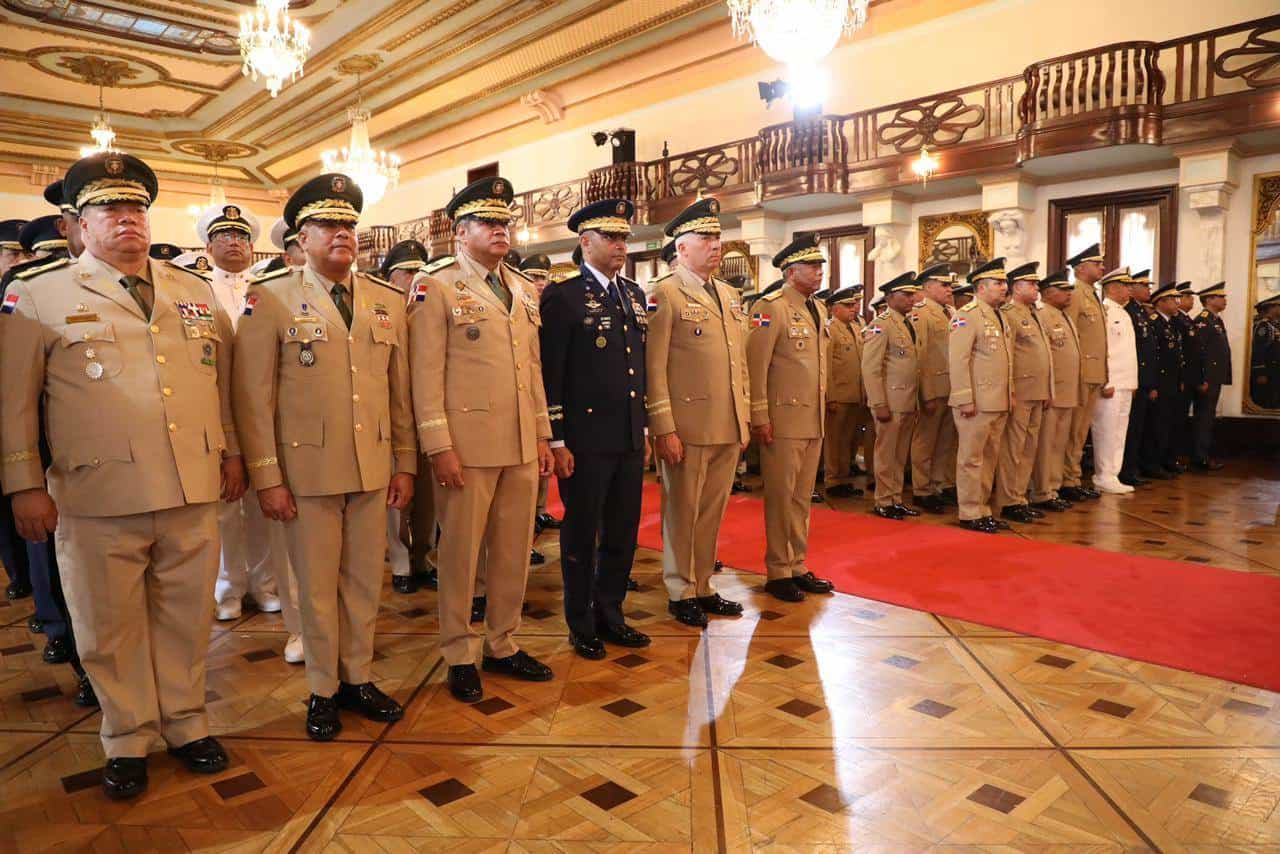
column 166, row 391
column 173, row 428
column 160, row 360
column 359, row 428
column 154, row 329
column 356, row 398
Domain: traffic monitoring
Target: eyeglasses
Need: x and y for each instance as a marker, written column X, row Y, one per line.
column 230, row 237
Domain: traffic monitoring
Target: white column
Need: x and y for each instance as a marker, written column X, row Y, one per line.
column 1007, row 200
column 889, row 215
column 766, row 234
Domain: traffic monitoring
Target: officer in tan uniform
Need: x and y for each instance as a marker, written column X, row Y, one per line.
column 1032, row 388
column 698, row 390
column 787, row 357
column 891, row 379
column 482, row 418
column 981, row 359
column 844, row 390
column 128, row 358
column 1064, row 349
column 1086, row 314
column 934, row 440
column 322, row 403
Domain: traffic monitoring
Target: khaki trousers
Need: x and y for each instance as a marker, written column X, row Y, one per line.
column 789, row 467
column 893, row 448
column 695, row 493
column 944, row 454
column 1018, row 452
column 492, row 511
column 837, row 446
column 337, row 544
column 1046, row 476
column 544, row 485
column 979, row 446
column 865, row 424
column 422, row 520
column 1081, row 418
column 140, row 592
column 929, row 450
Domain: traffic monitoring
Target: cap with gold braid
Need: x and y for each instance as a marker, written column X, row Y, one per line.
column 1184, row 289
column 42, row 235
column 905, row 282
column 537, row 265
column 9, row 231
column 405, row 255
column 1119, row 274
column 853, row 293
column 1218, row 290
column 993, row 269
column 938, row 272
column 1168, row 289
column 1028, row 272
column 609, row 216
column 107, row 177
column 802, row 250
column 1142, row 277
column 226, row 218
column 1269, row 302
column 701, row 217
column 1060, row 279
column 1089, row 253
column 282, row 235
column 53, row 195
column 488, row 199
column 332, row 197
column 164, row 251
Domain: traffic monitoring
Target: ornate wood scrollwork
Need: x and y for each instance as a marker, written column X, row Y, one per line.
column 552, row 204
column 974, row 221
column 1257, row 61
column 943, row 121
column 1268, row 202
column 703, row 170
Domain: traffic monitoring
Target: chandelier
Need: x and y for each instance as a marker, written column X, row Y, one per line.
column 103, row 135
column 272, row 44
column 797, row 32
column 375, row 172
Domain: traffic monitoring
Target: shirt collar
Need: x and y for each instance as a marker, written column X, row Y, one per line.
column 87, row 258
column 327, row 284
column 600, row 277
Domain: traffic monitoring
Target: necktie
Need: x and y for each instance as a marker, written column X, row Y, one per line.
column 339, row 294
column 710, row 288
column 499, row 289
column 911, row 330
column 139, row 289
column 813, row 312
column 615, row 293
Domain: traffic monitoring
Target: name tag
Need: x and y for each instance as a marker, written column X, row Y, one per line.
column 694, row 313
column 81, row 318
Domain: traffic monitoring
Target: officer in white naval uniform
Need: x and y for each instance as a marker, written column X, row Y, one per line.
column 1111, row 414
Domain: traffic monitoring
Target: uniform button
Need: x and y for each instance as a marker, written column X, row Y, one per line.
column 514, row 343
column 97, row 461
column 359, row 428
column 353, row 369
column 293, row 444
column 628, row 349
column 356, row 398
column 173, row 428
column 521, row 386
column 517, row 366
column 351, row 340
column 88, row 335
column 154, row 329
column 633, row 394
column 160, row 360
column 168, row 392
column 631, row 372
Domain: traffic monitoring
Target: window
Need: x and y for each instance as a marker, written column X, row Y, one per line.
column 489, row 170
column 1136, row 228
column 846, row 253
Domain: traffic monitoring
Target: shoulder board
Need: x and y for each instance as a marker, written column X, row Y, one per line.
column 380, row 281
column 1203, row 315
column 1006, row 307
column 661, row 278
column 969, row 306
column 773, row 296
column 41, row 268
column 517, row 271
column 439, row 264
column 628, row 281
column 208, row 277
column 274, row 274
column 884, row 315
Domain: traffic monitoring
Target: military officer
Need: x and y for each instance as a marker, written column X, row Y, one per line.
column 1214, row 364
column 1180, row 433
column 130, row 358
column 699, row 389
column 285, row 238
column 42, row 241
column 1032, row 388
column 1111, row 414
column 1056, row 293
column 1150, row 379
column 1264, row 366
column 11, row 251
column 980, row 355
column 891, row 381
column 963, row 294
column 1173, row 364
column 593, row 362
column 1085, row 313
column 482, row 419
column 844, row 390
column 934, row 441
column 322, row 402
column 787, row 359
column 13, row 553
column 537, row 269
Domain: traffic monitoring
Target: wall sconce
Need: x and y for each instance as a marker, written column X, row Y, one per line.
column 925, row 165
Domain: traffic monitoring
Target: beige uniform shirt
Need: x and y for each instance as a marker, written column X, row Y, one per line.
column 1032, row 370
column 890, row 363
column 319, row 407
column 981, row 358
column 696, row 362
column 137, row 409
column 844, row 362
column 931, row 322
column 477, row 367
column 1064, row 351
column 786, row 354
column 1086, row 314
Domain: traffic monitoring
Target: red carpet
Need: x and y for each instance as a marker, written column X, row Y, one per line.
column 1207, row 620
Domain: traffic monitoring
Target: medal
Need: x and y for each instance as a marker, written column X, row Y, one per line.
column 90, row 353
column 306, row 356
column 473, row 333
column 93, row 370
column 800, row 344
column 601, row 342
column 697, row 331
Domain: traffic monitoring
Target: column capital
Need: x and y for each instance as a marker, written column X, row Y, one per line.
column 1007, row 190
column 885, row 209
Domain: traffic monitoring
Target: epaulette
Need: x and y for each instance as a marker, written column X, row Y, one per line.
column 439, row 264
column 883, row 315
column 42, row 268
column 661, row 278
column 629, row 281
column 274, row 274
column 1006, row 307
column 1203, row 315
column 377, row 280
column 208, row 277
column 969, row 306
column 517, row 271
column 770, row 297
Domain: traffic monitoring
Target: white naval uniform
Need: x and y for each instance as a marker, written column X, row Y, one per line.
column 1111, row 414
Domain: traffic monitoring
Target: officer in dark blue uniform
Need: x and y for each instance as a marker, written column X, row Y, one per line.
column 1149, row 376
column 1156, row 447
column 593, row 339
column 1180, row 440
column 1214, row 373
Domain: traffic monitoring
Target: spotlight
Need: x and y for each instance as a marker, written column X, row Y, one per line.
column 600, row 137
column 772, row 91
column 808, row 86
column 623, row 141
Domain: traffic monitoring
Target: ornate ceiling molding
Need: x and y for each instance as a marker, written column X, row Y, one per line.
column 104, row 20
column 213, row 150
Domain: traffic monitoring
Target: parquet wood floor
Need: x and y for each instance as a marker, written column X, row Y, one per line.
column 842, row 724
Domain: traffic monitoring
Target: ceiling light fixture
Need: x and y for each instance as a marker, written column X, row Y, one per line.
column 374, row 171
column 272, row 44
column 103, row 136
column 925, row 165
column 797, row 32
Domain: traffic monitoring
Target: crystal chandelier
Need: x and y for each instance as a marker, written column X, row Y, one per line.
column 797, row 32
column 272, row 44
column 103, row 135
column 375, row 172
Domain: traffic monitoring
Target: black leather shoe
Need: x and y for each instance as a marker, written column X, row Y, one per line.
column 368, row 701
column 1017, row 513
column 785, row 589
column 18, row 590
column 464, row 683
column 1089, row 494
column 623, row 635
column 591, row 648
column 689, row 612
column 718, row 605
column 124, row 777
column 1000, row 525
column 1198, row 465
column 1133, row 480
column 905, row 510
column 632, row 585
column 34, row 625
column 1039, row 514
column 536, row 558
column 478, row 604
column 929, row 503
column 843, row 490
column 86, row 697
column 888, row 511
column 403, row 584
column 811, row 583
column 1072, row 493
column 949, row 497
column 546, row 521
column 982, row 526
column 1175, row 468
column 719, row 566
column 815, row 497
column 1053, row 505
column 429, row 579
column 202, row 756
column 322, row 718
column 520, row 665
column 56, row 651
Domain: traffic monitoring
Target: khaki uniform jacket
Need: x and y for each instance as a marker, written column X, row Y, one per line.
column 932, row 325
column 1032, row 367
column 329, row 427
column 1064, row 351
column 981, row 357
column 787, row 356
column 477, row 367
column 1086, row 314
column 137, row 410
column 890, row 363
column 844, row 362
column 696, row 362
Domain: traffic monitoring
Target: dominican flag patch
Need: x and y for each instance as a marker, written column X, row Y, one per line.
column 652, row 304
column 760, row 321
column 871, row 332
column 10, row 303
column 957, row 322
column 420, row 292
column 249, row 303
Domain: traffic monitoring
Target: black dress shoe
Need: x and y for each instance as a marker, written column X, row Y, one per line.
column 719, row 566
column 689, row 612
column 929, row 503
column 905, row 510
column 982, row 526
column 1132, row 480
column 1053, row 505
column 86, row 697
column 1198, row 465
column 366, row 699
column 124, row 777
column 1175, row 468
column 785, row 589
column 520, row 665
column 718, row 605
column 547, row 521
column 1017, row 513
column 429, row 579
column 322, row 718
column 632, row 585
column 1039, row 514
column 1072, row 493
column 843, row 490
column 1000, row 525
column 34, row 625
column 464, row 683
column 478, row 604
column 950, row 497
column 1089, row 494
column 888, row 511
column 202, row 756
column 811, row 583
column 588, row 647
column 18, row 590
column 403, row 583
column 1154, row 474
column 56, row 651
column 623, row 635
column 536, row 558
column 738, row 487
column 815, row 497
